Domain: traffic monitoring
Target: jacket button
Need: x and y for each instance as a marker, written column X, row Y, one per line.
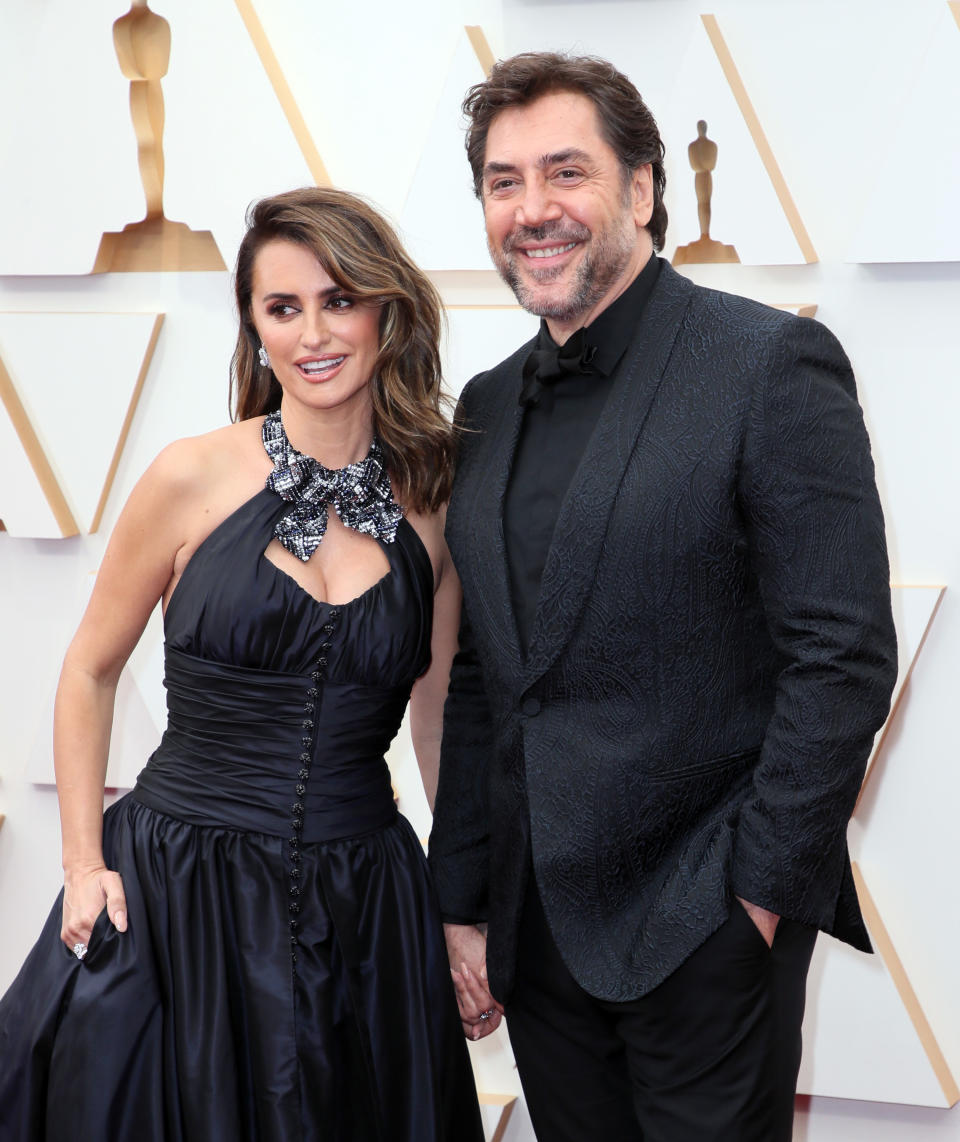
column 530, row 707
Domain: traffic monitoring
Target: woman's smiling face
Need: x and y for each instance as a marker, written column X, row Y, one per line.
column 323, row 344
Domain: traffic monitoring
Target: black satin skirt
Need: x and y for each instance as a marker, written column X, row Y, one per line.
column 201, row 1023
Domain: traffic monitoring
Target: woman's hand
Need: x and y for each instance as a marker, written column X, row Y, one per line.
column 85, row 895
column 480, row 1013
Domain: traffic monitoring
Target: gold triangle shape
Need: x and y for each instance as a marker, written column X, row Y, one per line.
column 127, row 421
column 481, row 46
column 49, row 485
column 895, row 707
column 895, row 968
column 759, row 138
column 506, row 1102
column 271, row 65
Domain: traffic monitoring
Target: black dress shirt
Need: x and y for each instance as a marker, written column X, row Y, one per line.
column 552, row 441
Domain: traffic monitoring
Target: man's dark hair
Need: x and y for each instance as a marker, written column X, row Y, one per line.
column 625, row 120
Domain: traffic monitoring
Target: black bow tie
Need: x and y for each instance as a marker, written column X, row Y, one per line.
column 547, row 366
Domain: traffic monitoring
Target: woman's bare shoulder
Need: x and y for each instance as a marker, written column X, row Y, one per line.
column 202, row 461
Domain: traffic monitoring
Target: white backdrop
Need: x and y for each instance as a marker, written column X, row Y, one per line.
column 858, row 103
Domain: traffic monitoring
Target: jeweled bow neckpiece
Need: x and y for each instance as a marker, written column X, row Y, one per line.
column 360, row 493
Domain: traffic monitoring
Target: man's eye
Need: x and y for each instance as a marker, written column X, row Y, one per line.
column 502, row 184
column 568, row 175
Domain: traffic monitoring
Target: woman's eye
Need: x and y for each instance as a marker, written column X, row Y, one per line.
column 340, row 301
column 279, row 309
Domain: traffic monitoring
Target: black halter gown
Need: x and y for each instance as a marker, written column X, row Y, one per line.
column 283, row 977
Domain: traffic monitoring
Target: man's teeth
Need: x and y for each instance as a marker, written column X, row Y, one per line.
column 549, row 251
column 321, row 366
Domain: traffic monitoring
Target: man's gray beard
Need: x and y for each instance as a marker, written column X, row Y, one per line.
column 598, row 271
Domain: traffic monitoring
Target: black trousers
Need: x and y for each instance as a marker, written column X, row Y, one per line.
column 711, row 1055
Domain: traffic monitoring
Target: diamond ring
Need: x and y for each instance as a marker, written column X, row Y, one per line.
column 485, row 1015
column 79, row 950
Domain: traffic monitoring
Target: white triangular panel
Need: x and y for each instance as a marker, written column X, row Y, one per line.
column 913, row 611
column 136, row 730
column 442, row 220
column 858, row 1040
column 214, row 65
column 75, row 374
column 24, row 508
column 70, row 162
column 134, row 738
column 746, row 212
column 478, row 339
column 928, row 175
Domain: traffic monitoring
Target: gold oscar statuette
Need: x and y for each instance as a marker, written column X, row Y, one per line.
column 142, row 42
column 702, row 153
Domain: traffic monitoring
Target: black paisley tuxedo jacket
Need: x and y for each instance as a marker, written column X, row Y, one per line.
column 712, row 654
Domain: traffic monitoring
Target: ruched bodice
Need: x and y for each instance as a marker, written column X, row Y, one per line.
column 281, row 707
column 284, row 974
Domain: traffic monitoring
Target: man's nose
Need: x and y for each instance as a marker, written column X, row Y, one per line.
column 538, row 205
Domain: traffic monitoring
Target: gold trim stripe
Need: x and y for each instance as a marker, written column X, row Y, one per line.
column 282, row 90
column 759, row 138
column 35, row 454
column 885, row 729
column 481, row 47
column 127, row 422
column 894, row 965
column 506, row 1102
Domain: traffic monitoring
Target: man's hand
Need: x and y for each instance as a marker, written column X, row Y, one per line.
column 765, row 921
column 467, row 948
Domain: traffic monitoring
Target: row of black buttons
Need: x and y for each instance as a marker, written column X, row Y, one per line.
column 308, row 726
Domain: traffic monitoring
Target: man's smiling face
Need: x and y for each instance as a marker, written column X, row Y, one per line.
column 565, row 226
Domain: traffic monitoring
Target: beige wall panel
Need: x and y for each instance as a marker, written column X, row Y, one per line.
column 278, row 81
column 914, row 609
column 32, row 504
column 70, row 159
column 927, row 116
column 752, row 209
column 873, row 1056
column 80, row 376
column 480, row 338
column 454, row 240
column 135, row 736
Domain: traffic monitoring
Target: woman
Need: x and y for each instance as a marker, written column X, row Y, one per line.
column 247, row 945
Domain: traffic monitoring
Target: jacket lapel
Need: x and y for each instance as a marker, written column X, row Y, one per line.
column 589, row 500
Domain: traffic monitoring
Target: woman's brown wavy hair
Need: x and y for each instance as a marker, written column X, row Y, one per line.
column 361, row 252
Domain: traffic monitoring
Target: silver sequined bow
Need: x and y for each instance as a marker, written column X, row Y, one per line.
column 360, row 493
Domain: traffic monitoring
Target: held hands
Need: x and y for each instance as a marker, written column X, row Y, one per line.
column 86, row 893
column 480, row 1014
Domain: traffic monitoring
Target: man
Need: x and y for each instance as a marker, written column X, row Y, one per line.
column 675, row 651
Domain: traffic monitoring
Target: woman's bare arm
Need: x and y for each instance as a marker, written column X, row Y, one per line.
column 430, row 691
column 138, row 568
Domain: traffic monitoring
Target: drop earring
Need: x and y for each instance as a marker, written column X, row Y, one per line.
column 264, row 358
